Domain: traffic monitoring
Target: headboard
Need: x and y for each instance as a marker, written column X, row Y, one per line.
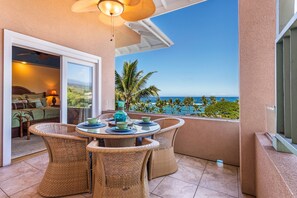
column 18, row 90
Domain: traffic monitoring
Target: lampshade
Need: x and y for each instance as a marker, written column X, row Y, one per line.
column 111, row 7
column 53, row 92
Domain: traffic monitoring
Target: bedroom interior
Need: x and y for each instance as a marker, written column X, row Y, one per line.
column 35, row 97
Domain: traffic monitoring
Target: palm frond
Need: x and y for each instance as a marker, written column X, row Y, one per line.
column 119, row 83
column 144, row 93
column 142, row 82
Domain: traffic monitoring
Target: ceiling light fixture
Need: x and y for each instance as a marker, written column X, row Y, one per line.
column 129, row 10
column 111, row 7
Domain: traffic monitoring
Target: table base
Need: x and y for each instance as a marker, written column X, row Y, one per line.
column 125, row 142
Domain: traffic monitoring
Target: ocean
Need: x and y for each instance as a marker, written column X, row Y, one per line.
column 184, row 110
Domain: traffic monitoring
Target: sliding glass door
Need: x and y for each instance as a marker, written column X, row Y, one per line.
column 79, row 97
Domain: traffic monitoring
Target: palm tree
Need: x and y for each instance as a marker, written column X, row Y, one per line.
column 188, row 102
column 213, row 100
column 130, row 87
column 204, row 101
column 178, row 105
column 161, row 104
column 170, row 103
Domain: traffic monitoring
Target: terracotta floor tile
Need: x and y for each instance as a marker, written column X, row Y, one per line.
column 154, row 183
column 14, row 170
column 21, row 182
column 222, row 168
column 171, row 188
column 28, row 193
column 188, row 174
column 192, row 162
column 178, row 156
column 207, row 193
column 2, row 194
column 220, row 180
column 39, row 162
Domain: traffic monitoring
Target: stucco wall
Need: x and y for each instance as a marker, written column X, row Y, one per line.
column 210, row 139
column 274, row 179
column 53, row 21
column 257, row 85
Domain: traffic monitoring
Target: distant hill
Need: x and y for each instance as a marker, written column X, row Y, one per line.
column 78, row 83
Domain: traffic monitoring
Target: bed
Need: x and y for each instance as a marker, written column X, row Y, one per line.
column 30, row 108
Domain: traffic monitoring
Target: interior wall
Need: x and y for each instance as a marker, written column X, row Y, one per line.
column 257, row 79
column 36, row 78
column 53, row 21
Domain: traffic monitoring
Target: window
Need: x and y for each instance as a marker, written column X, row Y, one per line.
column 286, row 77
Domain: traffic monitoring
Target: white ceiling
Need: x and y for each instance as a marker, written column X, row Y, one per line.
column 151, row 36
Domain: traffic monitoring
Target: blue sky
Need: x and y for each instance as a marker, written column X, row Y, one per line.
column 204, row 57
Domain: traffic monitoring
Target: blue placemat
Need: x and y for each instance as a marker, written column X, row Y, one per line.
column 141, row 123
column 85, row 125
column 116, row 131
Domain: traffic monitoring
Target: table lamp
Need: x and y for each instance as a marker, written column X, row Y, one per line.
column 53, row 93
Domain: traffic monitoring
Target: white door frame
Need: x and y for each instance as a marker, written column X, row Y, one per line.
column 16, row 39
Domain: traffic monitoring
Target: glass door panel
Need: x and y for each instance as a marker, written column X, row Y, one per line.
column 78, row 91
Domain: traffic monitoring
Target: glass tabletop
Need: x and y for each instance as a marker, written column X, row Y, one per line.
column 139, row 131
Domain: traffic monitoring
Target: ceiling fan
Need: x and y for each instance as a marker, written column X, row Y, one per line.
column 129, row 10
column 40, row 55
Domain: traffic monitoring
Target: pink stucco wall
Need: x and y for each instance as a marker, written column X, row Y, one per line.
column 257, row 79
column 275, row 171
column 210, row 139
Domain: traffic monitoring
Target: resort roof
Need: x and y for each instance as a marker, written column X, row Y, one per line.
column 151, row 36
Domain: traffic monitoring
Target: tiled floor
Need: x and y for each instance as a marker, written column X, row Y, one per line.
column 195, row 178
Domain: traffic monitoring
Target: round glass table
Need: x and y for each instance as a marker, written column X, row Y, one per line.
column 119, row 139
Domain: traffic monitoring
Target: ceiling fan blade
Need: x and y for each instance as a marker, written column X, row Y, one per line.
column 85, row 6
column 25, row 54
column 130, row 2
column 144, row 9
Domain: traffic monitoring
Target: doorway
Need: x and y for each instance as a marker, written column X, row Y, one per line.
column 35, row 97
column 69, row 59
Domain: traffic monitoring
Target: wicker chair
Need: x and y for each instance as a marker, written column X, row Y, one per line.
column 121, row 172
column 162, row 161
column 68, row 169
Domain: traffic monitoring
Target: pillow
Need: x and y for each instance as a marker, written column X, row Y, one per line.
column 17, row 97
column 43, row 102
column 33, row 96
column 37, row 102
